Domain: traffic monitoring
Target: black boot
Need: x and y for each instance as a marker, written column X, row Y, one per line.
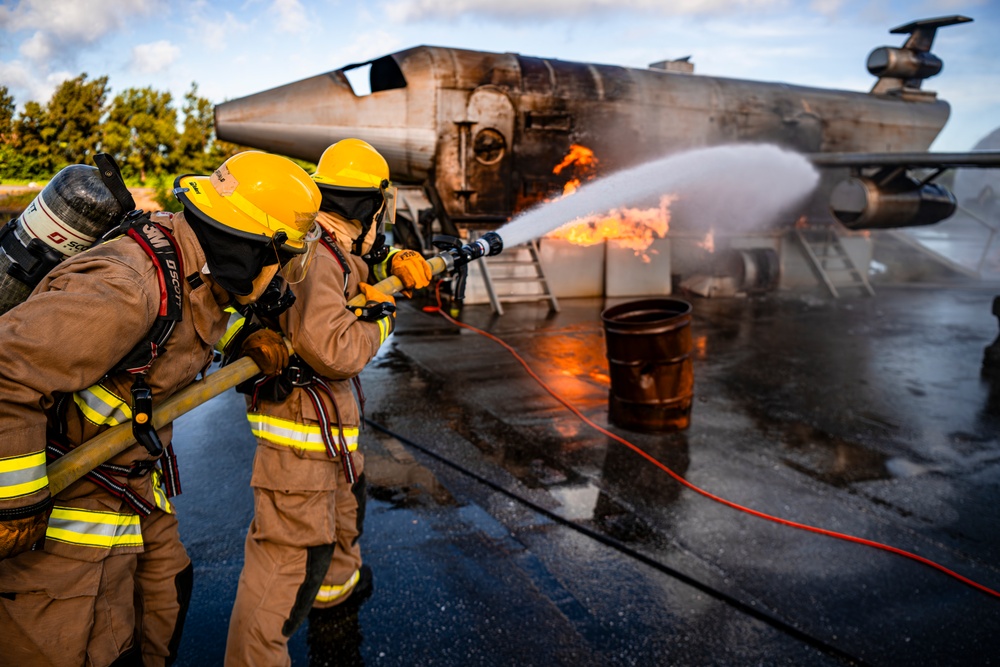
column 334, row 636
column 991, row 355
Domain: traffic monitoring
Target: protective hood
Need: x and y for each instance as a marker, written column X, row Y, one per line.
column 346, row 231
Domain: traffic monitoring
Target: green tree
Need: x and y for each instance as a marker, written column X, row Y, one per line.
column 199, row 150
column 75, row 112
column 9, row 158
column 141, row 131
column 44, row 139
column 197, row 139
column 6, row 114
column 33, row 137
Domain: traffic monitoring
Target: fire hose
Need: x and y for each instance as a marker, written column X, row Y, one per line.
column 84, row 458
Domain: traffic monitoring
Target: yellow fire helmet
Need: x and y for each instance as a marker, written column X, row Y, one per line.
column 353, row 178
column 352, row 163
column 253, row 195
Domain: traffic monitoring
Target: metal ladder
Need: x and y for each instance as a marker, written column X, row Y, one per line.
column 829, row 258
column 508, row 259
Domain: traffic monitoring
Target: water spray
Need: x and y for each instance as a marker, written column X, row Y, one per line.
column 730, row 188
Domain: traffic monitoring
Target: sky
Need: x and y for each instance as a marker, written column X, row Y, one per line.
column 232, row 49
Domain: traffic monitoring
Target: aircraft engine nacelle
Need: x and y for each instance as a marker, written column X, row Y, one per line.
column 863, row 202
column 906, row 64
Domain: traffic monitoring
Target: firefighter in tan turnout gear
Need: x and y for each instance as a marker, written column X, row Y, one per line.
column 97, row 574
column 302, row 547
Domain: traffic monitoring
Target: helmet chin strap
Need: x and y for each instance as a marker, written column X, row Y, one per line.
column 378, row 253
column 260, row 284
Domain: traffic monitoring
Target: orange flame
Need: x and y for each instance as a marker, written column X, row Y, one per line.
column 584, row 164
column 571, row 186
column 580, row 156
column 629, row 227
column 634, row 228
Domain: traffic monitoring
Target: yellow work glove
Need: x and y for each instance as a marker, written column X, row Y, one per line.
column 378, row 310
column 267, row 348
column 373, row 294
column 17, row 535
column 412, row 270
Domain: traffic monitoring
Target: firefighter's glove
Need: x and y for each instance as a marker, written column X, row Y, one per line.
column 379, row 304
column 268, row 349
column 17, row 535
column 412, row 270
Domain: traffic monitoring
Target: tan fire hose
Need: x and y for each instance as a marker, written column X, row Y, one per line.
column 96, row 451
column 112, row 442
column 393, row 285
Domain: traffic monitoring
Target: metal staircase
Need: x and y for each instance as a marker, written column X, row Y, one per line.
column 508, row 264
column 830, row 260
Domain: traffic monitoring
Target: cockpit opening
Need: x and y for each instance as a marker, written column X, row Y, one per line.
column 374, row 76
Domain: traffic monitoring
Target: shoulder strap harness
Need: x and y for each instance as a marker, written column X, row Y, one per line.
column 161, row 247
column 157, row 241
column 330, row 244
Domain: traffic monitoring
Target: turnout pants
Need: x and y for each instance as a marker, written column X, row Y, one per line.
column 57, row 611
column 301, row 550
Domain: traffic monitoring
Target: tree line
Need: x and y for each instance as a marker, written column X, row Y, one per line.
column 139, row 127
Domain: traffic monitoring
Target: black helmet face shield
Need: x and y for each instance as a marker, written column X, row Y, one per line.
column 368, row 207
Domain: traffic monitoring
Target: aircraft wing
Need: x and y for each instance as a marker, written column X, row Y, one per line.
column 922, row 160
column 880, row 192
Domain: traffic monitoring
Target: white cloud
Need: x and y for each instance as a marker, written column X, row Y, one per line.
column 372, row 44
column 37, row 48
column 947, row 6
column 826, row 7
column 291, row 16
column 67, row 24
column 215, row 36
column 25, row 84
column 154, row 57
column 533, row 10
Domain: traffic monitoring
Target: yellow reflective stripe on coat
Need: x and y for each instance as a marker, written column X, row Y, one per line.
column 22, row 475
column 236, row 322
column 384, row 329
column 381, row 270
column 159, row 493
column 102, row 407
column 89, row 528
column 331, row 593
column 308, row 437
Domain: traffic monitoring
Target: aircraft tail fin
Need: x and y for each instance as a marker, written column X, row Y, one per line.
column 901, row 70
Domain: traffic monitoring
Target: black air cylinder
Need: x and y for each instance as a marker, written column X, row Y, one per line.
column 71, row 212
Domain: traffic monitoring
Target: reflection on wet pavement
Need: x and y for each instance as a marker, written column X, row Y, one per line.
column 399, row 480
column 864, row 416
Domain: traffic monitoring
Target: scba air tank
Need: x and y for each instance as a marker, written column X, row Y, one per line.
column 70, row 213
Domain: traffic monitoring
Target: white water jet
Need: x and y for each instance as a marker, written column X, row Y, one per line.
column 726, row 188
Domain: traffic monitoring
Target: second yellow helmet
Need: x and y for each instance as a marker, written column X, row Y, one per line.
column 352, row 163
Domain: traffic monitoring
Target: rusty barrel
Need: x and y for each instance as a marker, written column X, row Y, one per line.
column 649, row 357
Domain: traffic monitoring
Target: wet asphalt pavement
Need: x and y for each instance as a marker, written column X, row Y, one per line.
column 503, row 531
